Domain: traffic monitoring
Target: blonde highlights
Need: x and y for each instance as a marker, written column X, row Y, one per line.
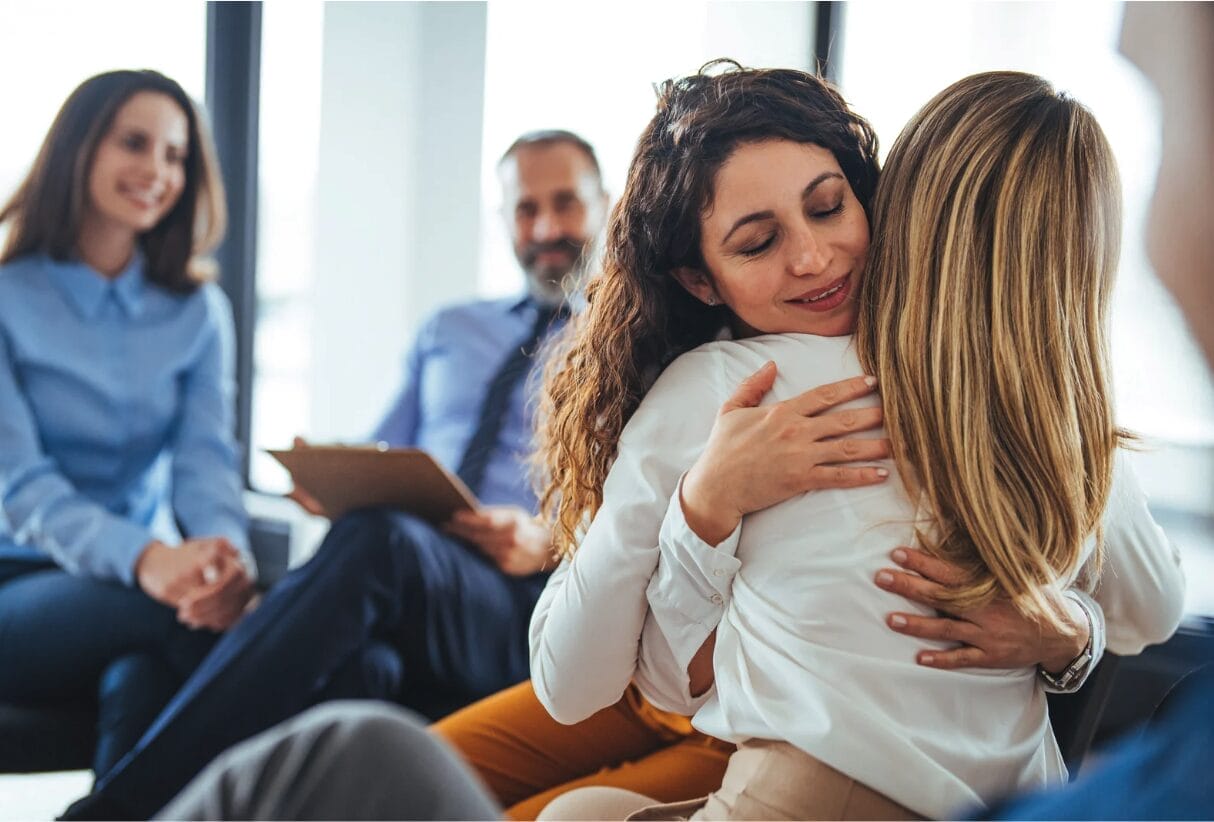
column 996, row 232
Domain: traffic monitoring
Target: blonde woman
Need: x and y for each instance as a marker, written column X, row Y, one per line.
column 981, row 311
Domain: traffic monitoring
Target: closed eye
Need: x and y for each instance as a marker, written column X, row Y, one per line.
column 756, row 250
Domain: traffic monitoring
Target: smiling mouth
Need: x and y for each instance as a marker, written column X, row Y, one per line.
column 145, row 199
column 821, row 294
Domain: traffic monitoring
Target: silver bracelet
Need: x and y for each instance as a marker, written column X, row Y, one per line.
column 1078, row 666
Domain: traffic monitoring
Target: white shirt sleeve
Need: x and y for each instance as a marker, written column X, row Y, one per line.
column 687, row 597
column 1141, row 589
column 586, row 627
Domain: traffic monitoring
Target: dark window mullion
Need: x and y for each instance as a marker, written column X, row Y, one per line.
column 828, row 39
column 233, row 100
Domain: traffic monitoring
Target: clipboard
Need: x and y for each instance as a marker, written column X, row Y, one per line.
column 345, row 478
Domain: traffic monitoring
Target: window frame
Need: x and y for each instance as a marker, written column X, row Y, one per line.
column 233, row 86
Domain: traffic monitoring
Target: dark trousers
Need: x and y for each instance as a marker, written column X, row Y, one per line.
column 457, row 623
column 67, row 639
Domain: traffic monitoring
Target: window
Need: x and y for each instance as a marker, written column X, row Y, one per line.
column 288, row 159
column 81, row 40
column 595, row 74
column 895, row 57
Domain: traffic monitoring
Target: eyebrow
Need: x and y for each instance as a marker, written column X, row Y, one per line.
column 767, row 215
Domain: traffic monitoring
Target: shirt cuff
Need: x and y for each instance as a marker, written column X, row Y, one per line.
column 128, row 541
column 693, row 582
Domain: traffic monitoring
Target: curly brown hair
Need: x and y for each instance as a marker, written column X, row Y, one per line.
column 638, row 317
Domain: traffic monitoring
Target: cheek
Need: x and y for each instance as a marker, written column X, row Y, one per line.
column 98, row 186
column 856, row 238
column 751, row 287
column 574, row 221
column 177, row 182
column 102, row 170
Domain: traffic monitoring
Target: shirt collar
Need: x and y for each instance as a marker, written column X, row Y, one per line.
column 523, row 302
column 576, row 303
column 86, row 289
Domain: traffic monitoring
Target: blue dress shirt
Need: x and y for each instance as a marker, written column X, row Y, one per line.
column 116, row 416
column 447, row 372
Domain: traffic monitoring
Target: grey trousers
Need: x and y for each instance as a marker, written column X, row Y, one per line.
column 341, row 760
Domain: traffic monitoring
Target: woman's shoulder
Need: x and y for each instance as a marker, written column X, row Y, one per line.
column 798, row 357
column 24, row 271
column 26, row 286
column 208, row 302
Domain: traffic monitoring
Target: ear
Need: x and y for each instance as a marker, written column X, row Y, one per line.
column 697, row 284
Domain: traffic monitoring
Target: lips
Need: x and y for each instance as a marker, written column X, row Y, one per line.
column 825, row 298
column 144, row 199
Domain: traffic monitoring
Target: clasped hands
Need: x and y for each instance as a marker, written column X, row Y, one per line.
column 205, row 579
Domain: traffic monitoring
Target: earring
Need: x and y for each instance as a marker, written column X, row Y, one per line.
column 712, row 300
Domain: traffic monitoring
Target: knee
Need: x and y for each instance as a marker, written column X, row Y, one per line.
column 135, row 679
column 595, row 802
column 375, row 672
column 367, row 730
column 377, row 541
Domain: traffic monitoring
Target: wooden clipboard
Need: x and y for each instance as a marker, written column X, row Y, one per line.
column 345, row 478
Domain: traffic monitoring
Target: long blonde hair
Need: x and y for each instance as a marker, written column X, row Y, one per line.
column 996, row 233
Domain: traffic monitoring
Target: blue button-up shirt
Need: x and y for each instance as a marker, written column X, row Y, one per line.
column 116, row 416
column 446, row 376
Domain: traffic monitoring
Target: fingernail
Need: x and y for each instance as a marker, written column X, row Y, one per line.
column 898, row 621
column 885, row 578
column 870, row 381
column 927, row 659
column 882, row 472
column 899, row 556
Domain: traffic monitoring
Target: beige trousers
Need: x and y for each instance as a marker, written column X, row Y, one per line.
column 764, row 780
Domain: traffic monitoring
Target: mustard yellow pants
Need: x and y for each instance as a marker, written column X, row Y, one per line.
column 527, row 758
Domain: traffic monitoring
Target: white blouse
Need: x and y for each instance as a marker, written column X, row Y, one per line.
column 803, row 653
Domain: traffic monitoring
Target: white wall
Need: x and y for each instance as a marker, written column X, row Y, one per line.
column 398, row 187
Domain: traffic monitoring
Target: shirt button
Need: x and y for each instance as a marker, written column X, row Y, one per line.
column 716, row 599
column 720, row 572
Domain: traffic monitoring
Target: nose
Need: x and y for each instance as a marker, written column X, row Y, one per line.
column 154, row 165
column 808, row 255
column 547, row 227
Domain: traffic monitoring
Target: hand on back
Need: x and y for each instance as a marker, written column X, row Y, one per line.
column 996, row 635
column 758, row 456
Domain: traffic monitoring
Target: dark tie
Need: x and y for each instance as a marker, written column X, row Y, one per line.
column 497, row 401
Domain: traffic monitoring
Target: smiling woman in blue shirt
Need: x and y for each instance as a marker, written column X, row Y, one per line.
column 123, row 541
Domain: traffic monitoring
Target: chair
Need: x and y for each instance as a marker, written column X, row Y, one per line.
column 1075, row 717
column 35, row 739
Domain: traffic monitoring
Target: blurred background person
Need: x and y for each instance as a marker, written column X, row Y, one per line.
column 116, row 412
